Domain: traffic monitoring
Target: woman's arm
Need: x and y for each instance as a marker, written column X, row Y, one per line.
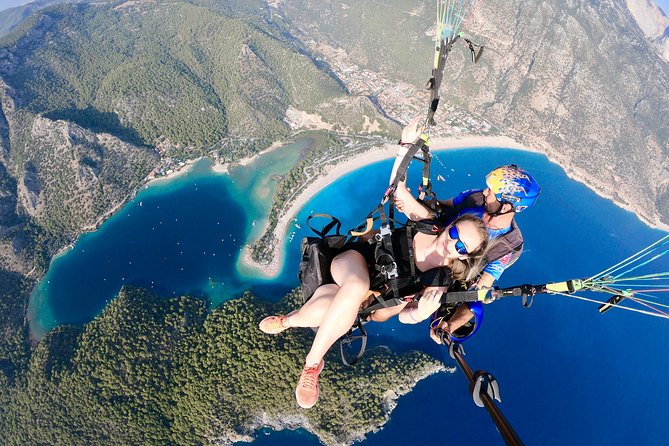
column 485, row 281
column 408, row 205
column 384, row 314
column 404, row 201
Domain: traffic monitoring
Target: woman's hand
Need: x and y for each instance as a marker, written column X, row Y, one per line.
column 412, row 131
column 428, row 304
column 418, row 312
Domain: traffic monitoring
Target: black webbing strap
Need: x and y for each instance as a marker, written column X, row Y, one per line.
column 420, row 144
column 348, row 339
column 381, row 301
column 454, row 297
column 334, row 223
column 412, row 257
column 425, row 187
column 383, row 254
column 437, row 76
column 490, row 294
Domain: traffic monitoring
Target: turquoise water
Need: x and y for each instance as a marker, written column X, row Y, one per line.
column 177, row 236
column 567, row 374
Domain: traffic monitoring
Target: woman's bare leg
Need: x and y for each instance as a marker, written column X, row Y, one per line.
column 349, row 271
column 311, row 314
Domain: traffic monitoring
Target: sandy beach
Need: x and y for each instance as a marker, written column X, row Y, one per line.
column 332, row 173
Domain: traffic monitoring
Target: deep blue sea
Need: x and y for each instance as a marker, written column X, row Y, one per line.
column 568, row 375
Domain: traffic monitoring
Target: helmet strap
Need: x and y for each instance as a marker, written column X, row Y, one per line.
column 499, row 212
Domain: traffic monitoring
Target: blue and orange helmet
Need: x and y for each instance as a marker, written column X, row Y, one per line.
column 513, row 185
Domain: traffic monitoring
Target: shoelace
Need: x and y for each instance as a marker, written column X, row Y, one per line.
column 309, row 377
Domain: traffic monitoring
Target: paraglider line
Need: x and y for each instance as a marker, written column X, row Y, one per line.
column 636, row 310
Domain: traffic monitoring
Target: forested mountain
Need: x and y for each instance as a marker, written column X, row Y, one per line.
column 156, row 371
column 145, row 71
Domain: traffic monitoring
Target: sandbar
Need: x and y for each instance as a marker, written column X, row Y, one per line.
column 332, row 173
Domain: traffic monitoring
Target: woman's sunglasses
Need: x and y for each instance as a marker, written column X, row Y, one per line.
column 455, row 235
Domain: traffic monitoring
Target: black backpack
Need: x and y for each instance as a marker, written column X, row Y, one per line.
column 317, row 255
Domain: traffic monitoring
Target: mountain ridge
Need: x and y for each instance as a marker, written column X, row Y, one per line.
column 577, row 80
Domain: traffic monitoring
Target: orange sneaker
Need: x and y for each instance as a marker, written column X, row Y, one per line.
column 273, row 324
column 306, row 392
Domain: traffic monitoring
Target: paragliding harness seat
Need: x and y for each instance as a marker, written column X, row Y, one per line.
column 388, row 287
column 390, row 283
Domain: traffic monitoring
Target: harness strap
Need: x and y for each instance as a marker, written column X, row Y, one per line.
column 391, row 296
column 422, row 144
column 410, row 248
column 440, row 56
column 334, row 222
column 380, row 303
column 369, row 224
column 349, row 338
column 476, row 55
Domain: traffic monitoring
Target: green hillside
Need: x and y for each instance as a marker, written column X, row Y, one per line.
column 394, row 38
column 156, row 371
column 153, row 70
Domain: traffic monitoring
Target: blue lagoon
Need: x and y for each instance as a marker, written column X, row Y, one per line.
column 568, row 375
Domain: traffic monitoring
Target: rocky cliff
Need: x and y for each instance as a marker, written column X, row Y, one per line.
column 59, row 176
column 653, row 22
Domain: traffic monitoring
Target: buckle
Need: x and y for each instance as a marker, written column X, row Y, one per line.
column 385, row 230
column 390, row 272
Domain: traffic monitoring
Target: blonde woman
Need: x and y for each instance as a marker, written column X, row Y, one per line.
column 436, row 258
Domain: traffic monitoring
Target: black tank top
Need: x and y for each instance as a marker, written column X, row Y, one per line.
column 407, row 283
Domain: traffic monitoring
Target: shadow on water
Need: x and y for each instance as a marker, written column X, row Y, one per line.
column 98, row 121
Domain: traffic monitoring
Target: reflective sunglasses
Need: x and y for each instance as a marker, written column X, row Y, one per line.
column 455, row 235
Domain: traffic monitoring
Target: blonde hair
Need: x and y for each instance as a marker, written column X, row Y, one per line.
column 471, row 266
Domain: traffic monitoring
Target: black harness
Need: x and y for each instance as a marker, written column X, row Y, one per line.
column 387, row 277
column 393, row 290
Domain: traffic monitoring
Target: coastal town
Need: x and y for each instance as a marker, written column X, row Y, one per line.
column 398, row 100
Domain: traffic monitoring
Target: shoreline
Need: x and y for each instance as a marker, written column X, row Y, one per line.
column 224, row 168
column 334, row 172
column 358, row 161
column 388, row 151
column 151, row 179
